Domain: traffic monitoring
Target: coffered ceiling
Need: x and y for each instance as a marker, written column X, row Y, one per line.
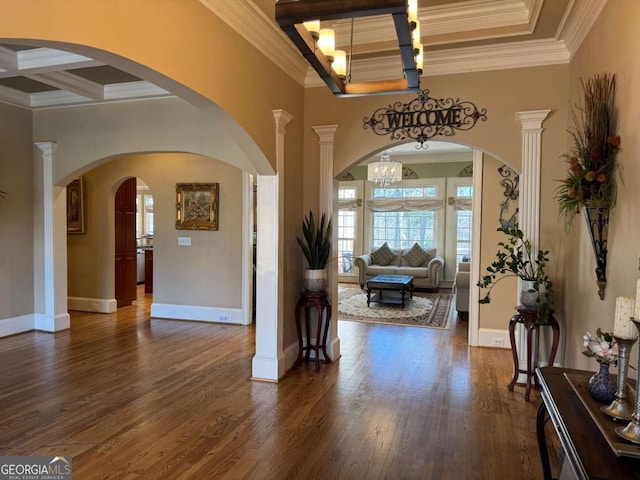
column 35, row 78
column 458, row 36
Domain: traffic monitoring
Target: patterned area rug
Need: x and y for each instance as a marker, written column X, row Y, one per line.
column 424, row 310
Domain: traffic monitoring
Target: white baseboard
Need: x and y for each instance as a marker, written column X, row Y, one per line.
column 493, row 337
column 267, row 369
column 12, row 326
column 100, row 305
column 197, row 313
column 49, row 323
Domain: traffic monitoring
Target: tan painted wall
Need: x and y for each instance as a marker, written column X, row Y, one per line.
column 423, row 170
column 89, row 135
column 505, row 295
column 612, row 45
column 206, row 274
column 16, row 213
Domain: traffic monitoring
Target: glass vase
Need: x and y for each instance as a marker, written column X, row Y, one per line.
column 602, row 385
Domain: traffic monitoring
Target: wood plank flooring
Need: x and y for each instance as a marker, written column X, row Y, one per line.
column 132, row 398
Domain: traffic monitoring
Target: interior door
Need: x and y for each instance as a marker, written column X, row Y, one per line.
column 126, row 253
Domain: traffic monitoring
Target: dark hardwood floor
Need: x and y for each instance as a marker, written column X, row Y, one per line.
column 133, row 398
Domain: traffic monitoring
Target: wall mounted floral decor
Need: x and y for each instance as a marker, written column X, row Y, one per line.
column 590, row 184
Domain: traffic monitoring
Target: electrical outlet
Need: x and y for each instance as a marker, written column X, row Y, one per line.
column 498, row 342
column 224, row 317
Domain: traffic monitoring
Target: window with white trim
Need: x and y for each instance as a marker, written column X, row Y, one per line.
column 464, row 217
column 347, row 231
column 402, row 215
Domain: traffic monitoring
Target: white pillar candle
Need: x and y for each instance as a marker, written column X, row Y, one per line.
column 623, row 327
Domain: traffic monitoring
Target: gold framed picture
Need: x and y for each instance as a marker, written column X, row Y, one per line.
column 197, row 206
column 75, row 206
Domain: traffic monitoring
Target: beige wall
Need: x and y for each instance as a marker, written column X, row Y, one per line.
column 504, row 296
column 89, row 135
column 422, row 170
column 612, row 46
column 206, row 274
column 16, row 212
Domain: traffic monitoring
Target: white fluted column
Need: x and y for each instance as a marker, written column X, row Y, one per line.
column 529, row 202
column 269, row 360
column 50, row 247
column 327, row 197
column 529, row 206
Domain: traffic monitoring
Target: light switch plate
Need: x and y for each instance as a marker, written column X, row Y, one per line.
column 184, row 241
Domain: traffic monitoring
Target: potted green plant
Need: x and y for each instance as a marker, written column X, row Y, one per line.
column 516, row 259
column 316, row 247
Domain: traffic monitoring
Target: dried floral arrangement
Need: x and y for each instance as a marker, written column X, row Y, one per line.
column 591, row 179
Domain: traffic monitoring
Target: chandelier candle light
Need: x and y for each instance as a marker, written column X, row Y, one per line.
column 300, row 20
column 384, row 172
column 625, row 334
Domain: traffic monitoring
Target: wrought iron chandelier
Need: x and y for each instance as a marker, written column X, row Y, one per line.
column 384, row 172
column 300, row 20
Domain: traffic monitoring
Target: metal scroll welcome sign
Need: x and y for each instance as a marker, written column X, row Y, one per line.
column 424, row 118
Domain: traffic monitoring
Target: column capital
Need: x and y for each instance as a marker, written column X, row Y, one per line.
column 532, row 120
column 282, row 118
column 325, row 132
column 47, row 148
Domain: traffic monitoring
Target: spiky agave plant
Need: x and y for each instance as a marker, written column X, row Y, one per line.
column 316, row 245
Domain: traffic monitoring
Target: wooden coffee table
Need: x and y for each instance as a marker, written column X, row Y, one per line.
column 392, row 289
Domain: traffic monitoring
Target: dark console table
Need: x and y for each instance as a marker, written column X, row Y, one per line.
column 587, row 435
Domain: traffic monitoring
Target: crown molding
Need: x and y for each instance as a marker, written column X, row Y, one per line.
column 252, row 23
column 14, row 97
column 580, row 18
column 478, row 15
column 262, row 32
column 477, row 59
column 454, row 18
column 533, row 53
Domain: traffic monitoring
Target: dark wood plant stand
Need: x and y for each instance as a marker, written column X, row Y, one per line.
column 528, row 318
column 320, row 302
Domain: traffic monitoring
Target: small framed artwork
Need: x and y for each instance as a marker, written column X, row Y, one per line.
column 197, row 206
column 75, row 206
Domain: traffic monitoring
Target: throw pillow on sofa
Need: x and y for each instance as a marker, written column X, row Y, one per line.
column 382, row 255
column 416, row 256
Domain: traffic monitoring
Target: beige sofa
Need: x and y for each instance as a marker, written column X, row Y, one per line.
column 426, row 275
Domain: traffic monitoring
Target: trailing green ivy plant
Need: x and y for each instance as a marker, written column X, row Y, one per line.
column 516, row 259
